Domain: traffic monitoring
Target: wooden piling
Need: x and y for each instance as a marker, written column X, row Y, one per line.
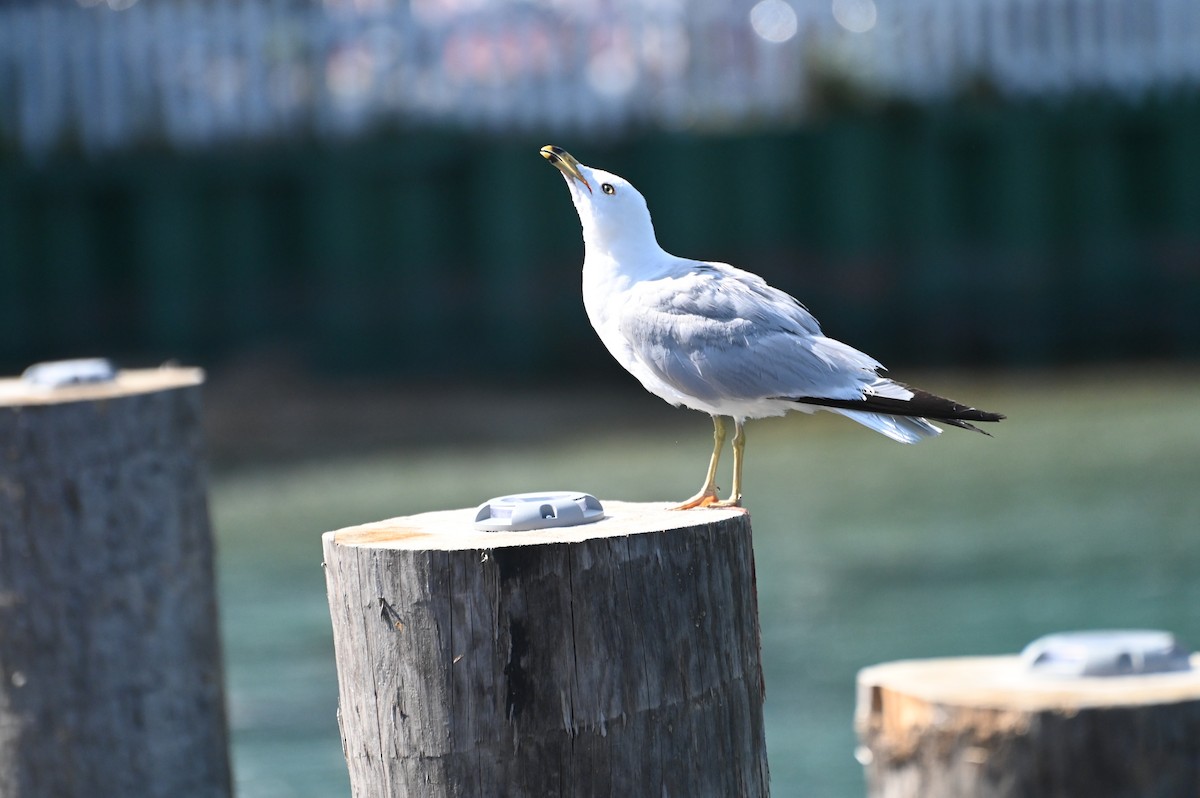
column 619, row 657
column 984, row 727
column 110, row 667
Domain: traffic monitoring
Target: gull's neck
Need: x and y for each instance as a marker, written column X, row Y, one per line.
column 612, row 266
column 631, row 256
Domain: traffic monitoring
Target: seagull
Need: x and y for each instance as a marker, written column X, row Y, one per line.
column 720, row 340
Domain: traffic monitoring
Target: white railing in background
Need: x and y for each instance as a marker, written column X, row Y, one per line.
column 109, row 74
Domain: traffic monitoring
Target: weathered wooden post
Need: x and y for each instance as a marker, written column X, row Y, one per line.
column 987, row 727
column 616, row 658
column 110, row 667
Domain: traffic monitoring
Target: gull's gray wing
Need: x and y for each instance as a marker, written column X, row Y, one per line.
column 716, row 332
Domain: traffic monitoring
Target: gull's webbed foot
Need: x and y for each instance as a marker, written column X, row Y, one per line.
column 709, row 499
column 705, row 498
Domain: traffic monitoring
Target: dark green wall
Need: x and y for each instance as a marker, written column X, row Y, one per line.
column 942, row 236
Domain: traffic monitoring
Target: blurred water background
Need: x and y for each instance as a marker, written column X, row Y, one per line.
column 338, row 209
column 1081, row 513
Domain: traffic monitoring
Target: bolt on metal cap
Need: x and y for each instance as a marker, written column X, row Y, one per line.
column 539, row 510
column 61, row 373
column 1116, row 652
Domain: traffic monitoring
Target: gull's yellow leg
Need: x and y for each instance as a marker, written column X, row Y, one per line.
column 739, row 447
column 708, row 491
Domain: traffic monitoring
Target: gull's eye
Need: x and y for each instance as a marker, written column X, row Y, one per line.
column 607, row 188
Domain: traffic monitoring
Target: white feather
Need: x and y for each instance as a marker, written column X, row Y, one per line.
column 899, row 428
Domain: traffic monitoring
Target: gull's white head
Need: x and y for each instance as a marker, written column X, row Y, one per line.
column 613, row 214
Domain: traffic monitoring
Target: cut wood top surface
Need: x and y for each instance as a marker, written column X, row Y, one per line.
column 15, row 391
column 451, row 530
column 1004, row 683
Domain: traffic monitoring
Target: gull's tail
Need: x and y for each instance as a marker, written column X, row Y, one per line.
column 903, row 418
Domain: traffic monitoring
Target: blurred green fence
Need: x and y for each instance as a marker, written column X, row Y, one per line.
column 1007, row 235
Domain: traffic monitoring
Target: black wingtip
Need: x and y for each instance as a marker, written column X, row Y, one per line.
column 955, row 422
column 922, row 405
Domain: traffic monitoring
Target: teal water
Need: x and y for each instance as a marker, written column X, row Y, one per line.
column 1082, row 512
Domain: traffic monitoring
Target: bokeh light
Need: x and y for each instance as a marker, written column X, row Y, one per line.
column 856, row 16
column 774, row 20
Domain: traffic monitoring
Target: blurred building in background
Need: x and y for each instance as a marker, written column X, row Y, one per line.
column 996, row 182
column 103, row 74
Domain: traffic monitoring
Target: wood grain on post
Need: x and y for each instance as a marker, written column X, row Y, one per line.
column 110, row 668
column 615, row 658
column 984, row 727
